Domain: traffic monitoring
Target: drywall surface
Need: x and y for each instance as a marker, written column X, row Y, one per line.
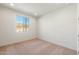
column 8, row 34
column 59, row 27
column 78, row 27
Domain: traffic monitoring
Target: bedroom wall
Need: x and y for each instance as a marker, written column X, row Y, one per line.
column 8, row 34
column 59, row 27
column 78, row 27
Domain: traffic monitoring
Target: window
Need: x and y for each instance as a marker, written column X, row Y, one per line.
column 22, row 24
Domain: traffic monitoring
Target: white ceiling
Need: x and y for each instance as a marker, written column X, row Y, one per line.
column 32, row 8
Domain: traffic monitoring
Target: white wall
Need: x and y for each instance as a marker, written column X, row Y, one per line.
column 59, row 27
column 78, row 26
column 8, row 33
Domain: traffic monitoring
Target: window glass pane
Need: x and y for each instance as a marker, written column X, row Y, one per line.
column 22, row 23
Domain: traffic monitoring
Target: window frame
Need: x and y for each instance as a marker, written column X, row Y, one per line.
column 24, row 31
